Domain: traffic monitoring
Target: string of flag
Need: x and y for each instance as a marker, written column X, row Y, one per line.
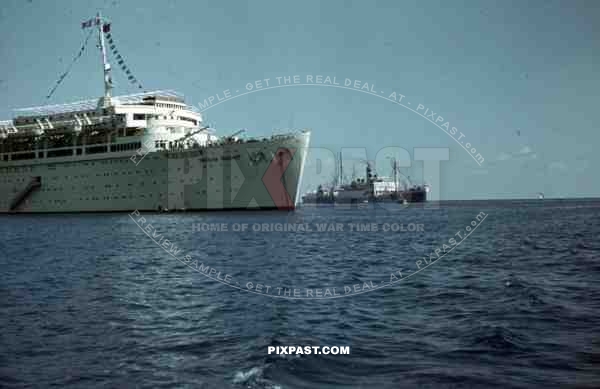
column 64, row 75
column 118, row 57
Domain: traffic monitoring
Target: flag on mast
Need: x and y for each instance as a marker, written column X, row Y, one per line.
column 90, row 23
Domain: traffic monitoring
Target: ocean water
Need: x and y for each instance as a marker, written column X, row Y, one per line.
column 110, row 301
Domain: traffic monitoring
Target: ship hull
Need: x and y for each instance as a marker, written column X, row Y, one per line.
column 409, row 197
column 262, row 175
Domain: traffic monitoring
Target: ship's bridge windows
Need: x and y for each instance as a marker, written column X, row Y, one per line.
column 188, row 119
column 139, row 116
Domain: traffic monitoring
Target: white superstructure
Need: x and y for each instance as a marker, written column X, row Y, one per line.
column 146, row 151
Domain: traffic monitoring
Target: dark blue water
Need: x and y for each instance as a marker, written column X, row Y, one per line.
column 93, row 301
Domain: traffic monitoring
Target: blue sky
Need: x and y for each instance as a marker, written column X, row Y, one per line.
column 518, row 79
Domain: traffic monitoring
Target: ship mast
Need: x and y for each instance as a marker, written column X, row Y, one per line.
column 395, row 177
column 106, row 101
column 340, row 180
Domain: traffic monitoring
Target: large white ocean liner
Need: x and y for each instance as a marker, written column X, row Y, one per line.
column 146, row 151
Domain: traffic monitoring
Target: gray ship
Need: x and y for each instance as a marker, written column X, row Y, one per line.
column 371, row 189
